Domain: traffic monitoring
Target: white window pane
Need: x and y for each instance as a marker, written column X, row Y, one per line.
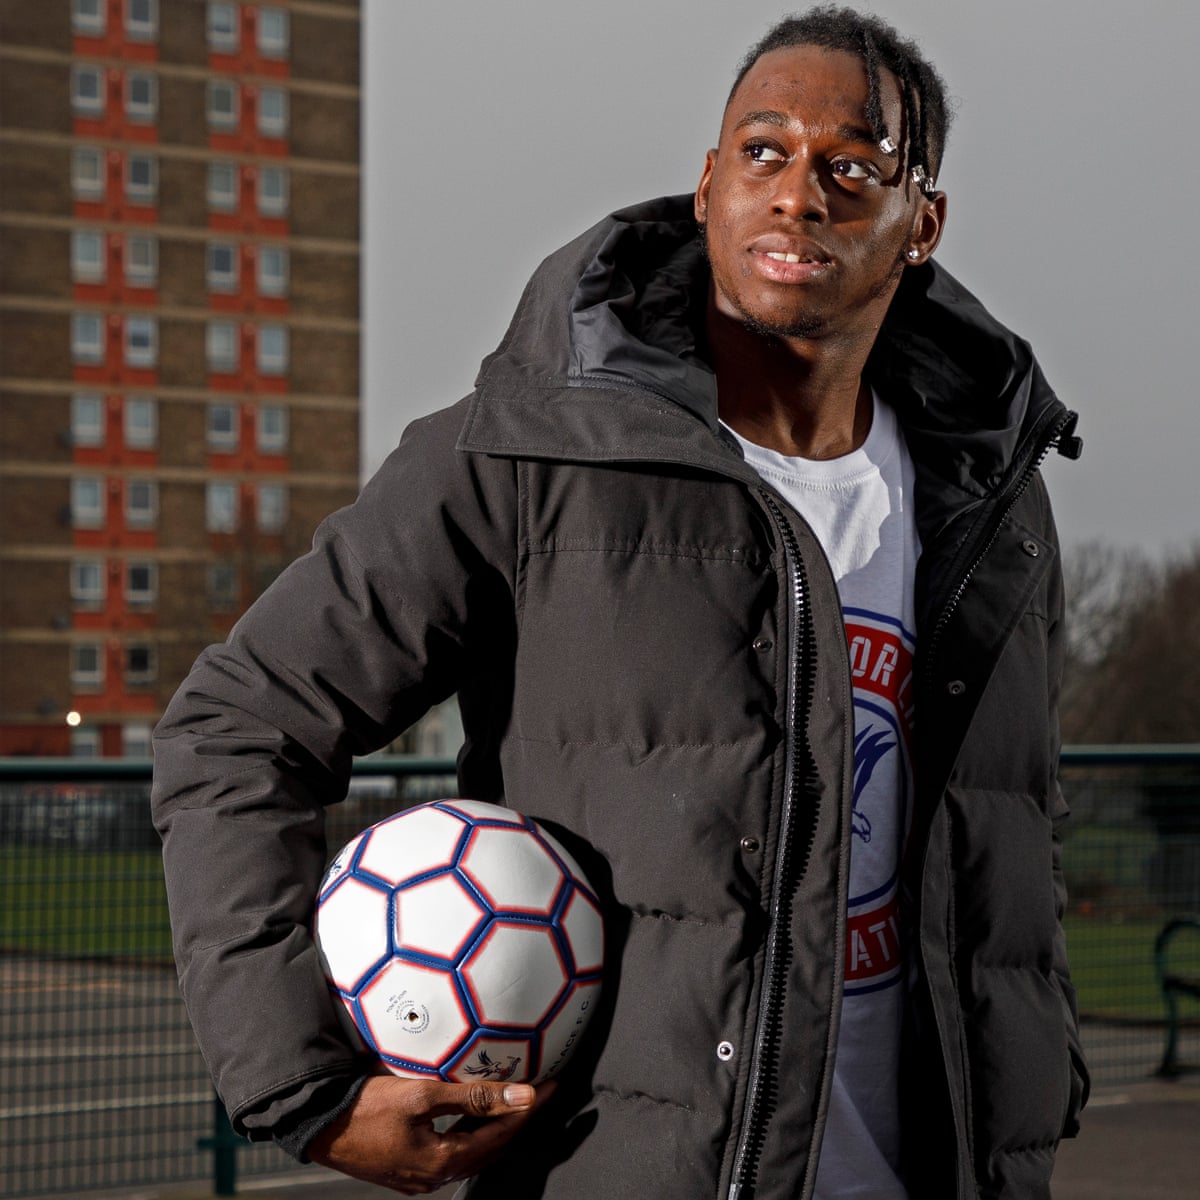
column 87, row 338
column 85, row 743
column 141, row 582
column 273, row 349
column 141, row 95
column 141, row 259
column 87, row 419
column 87, row 502
column 272, row 428
column 87, row 583
column 139, row 663
column 135, row 740
column 272, row 191
column 141, row 422
column 141, row 341
column 141, row 19
column 87, row 172
column 272, row 111
column 222, row 104
column 87, row 663
column 221, row 510
column 222, row 346
column 272, row 507
column 273, row 32
column 87, row 256
column 141, row 177
column 223, row 432
column 222, row 186
column 87, row 89
column 223, row 31
column 224, row 586
column 272, row 270
column 89, row 17
column 222, row 267
column 141, row 503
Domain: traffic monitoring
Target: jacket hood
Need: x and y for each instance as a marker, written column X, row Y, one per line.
column 604, row 360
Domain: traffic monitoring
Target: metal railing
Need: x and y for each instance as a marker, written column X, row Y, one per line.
column 101, row 1084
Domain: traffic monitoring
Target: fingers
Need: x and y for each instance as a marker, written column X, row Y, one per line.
column 480, row 1099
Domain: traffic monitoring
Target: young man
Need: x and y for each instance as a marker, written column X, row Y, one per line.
column 739, row 562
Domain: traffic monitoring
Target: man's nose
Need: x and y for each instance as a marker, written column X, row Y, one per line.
column 799, row 193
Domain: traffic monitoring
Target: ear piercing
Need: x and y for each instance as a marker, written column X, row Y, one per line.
column 914, row 254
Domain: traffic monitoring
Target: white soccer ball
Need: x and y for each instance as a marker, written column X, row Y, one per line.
column 464, row 942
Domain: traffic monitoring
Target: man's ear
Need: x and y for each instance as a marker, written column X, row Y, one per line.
column 927, row 228
column 701, row 208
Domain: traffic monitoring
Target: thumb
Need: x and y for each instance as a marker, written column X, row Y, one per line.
column 485, row 1099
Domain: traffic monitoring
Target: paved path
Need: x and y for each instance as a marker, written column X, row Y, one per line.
column 1138, row 1143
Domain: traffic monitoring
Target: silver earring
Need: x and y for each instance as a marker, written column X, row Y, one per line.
column 913, row 255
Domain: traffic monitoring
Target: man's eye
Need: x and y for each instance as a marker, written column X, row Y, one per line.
column 762, row 153
column 852, row 170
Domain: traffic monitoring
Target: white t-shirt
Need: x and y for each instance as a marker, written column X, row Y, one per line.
column 860, row 507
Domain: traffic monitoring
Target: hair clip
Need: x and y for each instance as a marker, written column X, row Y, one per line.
column 917, row 175
column 888, row 146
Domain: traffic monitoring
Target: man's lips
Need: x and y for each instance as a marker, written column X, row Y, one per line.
column 782, row 259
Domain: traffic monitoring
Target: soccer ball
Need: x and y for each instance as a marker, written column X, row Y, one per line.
column 463, row 941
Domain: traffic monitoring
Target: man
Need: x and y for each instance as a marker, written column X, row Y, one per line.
column 667, row 555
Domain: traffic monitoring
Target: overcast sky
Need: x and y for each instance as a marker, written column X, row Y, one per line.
column 494, row 132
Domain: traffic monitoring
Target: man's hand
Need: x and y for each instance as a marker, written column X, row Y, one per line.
column 387, row 1136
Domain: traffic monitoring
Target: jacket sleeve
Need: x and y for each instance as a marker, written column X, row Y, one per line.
column 1080, row 1084
column 402, row 597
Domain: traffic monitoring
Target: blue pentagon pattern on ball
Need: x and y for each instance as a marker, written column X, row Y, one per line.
column 464, row 943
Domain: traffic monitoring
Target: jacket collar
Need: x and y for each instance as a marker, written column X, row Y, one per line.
column 603, row 362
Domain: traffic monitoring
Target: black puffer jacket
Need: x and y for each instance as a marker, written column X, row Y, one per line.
column 650, row 657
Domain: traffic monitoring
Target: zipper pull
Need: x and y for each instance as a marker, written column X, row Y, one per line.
column 1069, row 446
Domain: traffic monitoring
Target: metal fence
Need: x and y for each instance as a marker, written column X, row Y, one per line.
column 101, row 1084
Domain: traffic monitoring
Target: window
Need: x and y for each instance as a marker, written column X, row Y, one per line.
column 272, row 271
column 222, row 267
column 89, row 17
column 222, row 186
column 272, row 350
column 87, row 338
column 87, row 664
column 223, row 433
column 141, row 341
column 222, row 104
column 141, row 177
column 272, row 507
column 224, row 587
column 135, row 740
column 223, row 31
column 141, row 422
column 272, row 191
column 221, row 507
column 141, row 20
column 87, row 89
column 272, row 428
column 85, row 743
column 87, row 419
column 87, row 583
column 139, row 663
column 141, row 259
column 141, row 503
column 272, row 112
column 87, row 502
column 87, row 173
column 221, row 347
column 87, row 256
column 141, row 96
column 273, row 32
column 141, row 583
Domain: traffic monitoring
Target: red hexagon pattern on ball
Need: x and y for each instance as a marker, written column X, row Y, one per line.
column 357, row 915
column 437, row 917
column 421, row 840
column 413, row 1012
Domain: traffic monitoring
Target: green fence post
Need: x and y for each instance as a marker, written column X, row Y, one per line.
column 224, row 1145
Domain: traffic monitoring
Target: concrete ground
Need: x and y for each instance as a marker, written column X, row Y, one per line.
column 1138, row 1143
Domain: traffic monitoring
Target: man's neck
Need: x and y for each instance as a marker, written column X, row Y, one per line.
column 803, row 397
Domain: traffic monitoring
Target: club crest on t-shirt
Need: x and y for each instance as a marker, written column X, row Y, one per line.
column 881, row 660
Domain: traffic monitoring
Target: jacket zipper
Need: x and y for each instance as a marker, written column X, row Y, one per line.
column 791, row 861
column 1061, row 433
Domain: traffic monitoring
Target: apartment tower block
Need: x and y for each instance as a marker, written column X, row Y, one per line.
column 179, row 338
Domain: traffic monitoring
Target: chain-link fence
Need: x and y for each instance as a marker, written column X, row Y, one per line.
column 101, row 1084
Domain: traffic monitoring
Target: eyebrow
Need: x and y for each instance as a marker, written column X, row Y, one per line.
column 771, row 116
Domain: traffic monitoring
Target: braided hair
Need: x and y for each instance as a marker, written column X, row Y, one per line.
column 922, row 90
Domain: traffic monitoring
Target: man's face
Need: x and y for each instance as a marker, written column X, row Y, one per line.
column 808, row 222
